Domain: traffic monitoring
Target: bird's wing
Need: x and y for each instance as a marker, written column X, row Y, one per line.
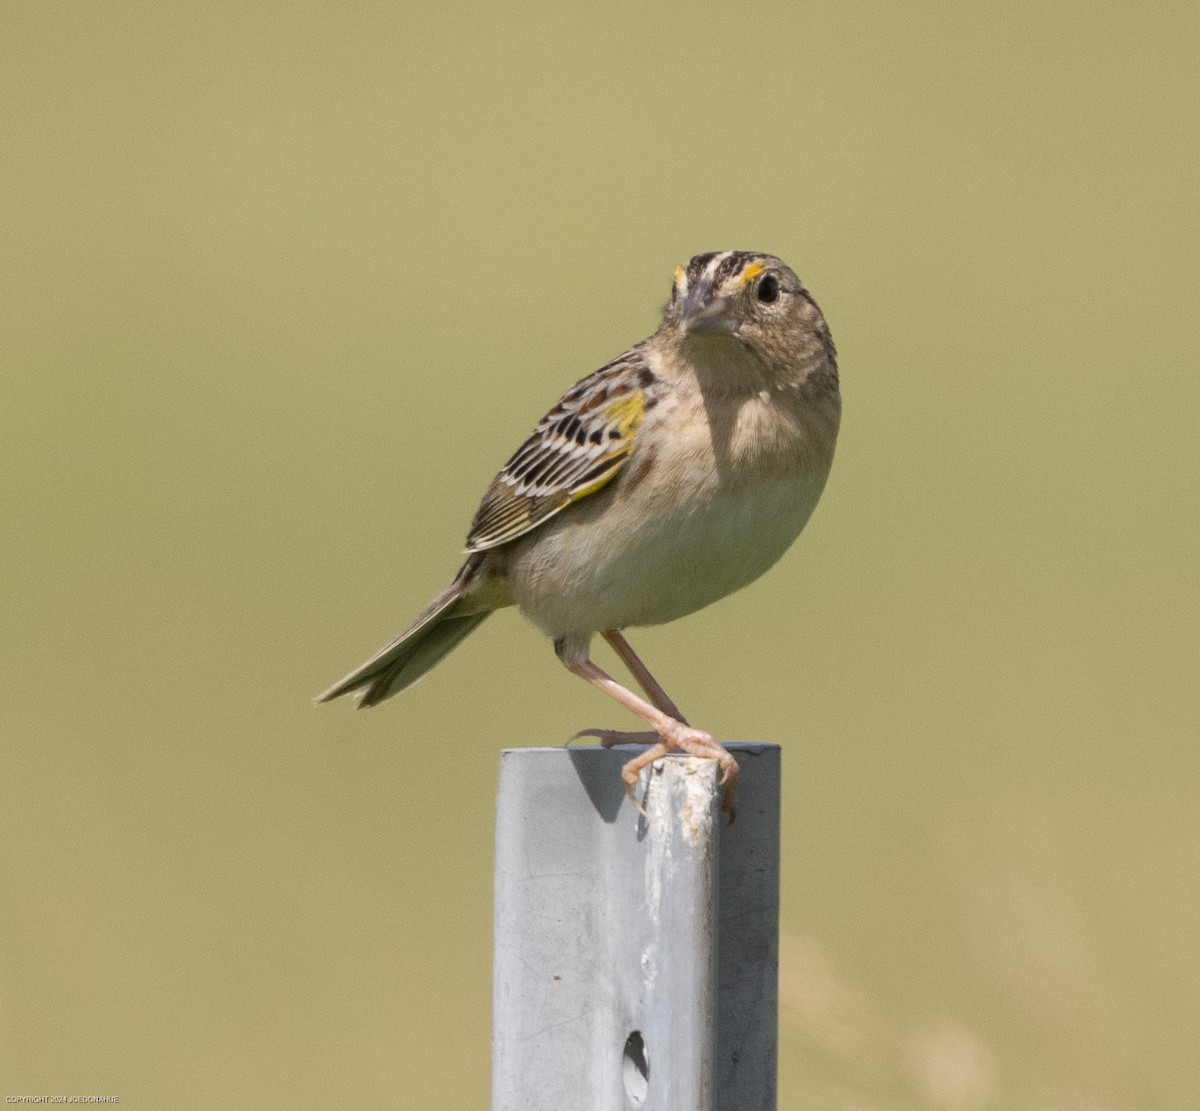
column 577, row 448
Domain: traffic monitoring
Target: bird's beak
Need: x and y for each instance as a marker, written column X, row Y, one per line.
column 704, row 312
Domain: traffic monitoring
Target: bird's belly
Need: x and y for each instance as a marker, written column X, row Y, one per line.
column 599, row 572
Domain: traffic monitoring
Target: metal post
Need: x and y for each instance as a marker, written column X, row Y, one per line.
column 635, row 962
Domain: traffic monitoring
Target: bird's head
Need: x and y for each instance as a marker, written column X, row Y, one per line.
column 728, row 299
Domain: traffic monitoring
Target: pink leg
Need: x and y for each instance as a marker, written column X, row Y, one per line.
column 642, row 674
column 676, row 737
column 609, row 738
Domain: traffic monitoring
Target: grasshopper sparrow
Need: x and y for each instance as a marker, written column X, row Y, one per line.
column 672, row 476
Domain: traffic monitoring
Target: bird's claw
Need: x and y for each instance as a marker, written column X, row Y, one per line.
column 631, row 791
column 609, row 738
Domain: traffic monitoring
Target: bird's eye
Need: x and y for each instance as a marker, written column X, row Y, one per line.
column 768, row 289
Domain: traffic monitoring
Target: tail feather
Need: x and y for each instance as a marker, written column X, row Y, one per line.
column 422, row 645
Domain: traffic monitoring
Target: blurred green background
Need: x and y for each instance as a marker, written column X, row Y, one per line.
column 283, row 285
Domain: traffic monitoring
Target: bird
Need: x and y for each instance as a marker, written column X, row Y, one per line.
column 674, row 475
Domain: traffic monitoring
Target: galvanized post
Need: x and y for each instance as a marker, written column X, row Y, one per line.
column 635, row 962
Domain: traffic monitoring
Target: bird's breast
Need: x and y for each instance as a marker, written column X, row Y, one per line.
column 704, row 506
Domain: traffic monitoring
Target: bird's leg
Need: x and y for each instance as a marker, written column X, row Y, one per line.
column 609, row 738
column 675, row 736
column 642, row 674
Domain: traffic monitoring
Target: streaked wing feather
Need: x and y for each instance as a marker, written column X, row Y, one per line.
column 576, row 449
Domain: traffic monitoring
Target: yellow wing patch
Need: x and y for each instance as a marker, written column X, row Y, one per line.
column 576, row 450
column 627, row 413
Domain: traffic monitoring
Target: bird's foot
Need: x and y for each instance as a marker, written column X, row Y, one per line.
column 695, row 742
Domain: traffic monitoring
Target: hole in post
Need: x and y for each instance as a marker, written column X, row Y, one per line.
column 635, row 1069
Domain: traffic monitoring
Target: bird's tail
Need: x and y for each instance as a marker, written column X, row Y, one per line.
column 430, row 637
